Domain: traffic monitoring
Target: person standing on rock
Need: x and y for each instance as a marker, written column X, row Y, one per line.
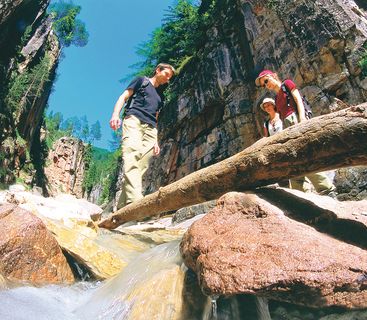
column 274, row 124
column 292, row 111
column 139, row 128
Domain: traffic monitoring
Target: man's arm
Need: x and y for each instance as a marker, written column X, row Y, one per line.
column 115, row 121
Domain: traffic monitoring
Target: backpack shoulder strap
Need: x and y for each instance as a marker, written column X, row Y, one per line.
column 288, row 94
column 267, row 126
column 145, row 82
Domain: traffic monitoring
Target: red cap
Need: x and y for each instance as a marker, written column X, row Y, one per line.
column 263, row 74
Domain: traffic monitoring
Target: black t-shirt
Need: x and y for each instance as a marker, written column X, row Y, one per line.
column 146, row 103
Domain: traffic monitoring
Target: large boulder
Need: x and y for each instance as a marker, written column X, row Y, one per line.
column 247, row 245
column 28, row 251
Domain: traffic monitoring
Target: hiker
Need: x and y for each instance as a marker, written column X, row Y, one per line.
column 274, row 124
column 139, row 128
column 289, row 104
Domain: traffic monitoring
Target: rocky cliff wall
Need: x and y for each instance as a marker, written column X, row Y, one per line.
column 214, row 113
column 66, row 167
column 28, row 59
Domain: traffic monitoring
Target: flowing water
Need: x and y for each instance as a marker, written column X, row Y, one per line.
column 128, row 294
column 154, row 285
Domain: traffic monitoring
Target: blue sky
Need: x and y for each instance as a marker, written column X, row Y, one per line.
column 88, row 77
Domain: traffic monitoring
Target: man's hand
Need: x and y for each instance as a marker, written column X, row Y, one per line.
column 156, row 149
column 115, row 122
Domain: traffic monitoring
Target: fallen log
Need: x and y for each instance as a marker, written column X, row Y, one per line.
column 323, row 143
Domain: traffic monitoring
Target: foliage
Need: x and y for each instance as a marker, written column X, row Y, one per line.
column 72, row 127
column 181, row 35
column 363, row 62
column 276, row 5
column 3, row 170
column 109, row 181
column 115, row 142
column 26, row 87
column 102, row 169
column 95, row 131
column 69, row 29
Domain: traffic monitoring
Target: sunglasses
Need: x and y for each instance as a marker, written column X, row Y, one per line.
column 265, row 82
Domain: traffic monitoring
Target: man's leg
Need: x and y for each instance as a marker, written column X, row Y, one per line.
column 149, row 139
column 300, row 184
column 131, row 154
column 321, row 182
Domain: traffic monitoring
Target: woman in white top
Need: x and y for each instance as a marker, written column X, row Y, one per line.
column 274, row 124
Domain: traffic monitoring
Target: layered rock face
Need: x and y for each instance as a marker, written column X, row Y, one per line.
column 66, row 168
column 250, row 245
column 215, row 112
column 28, row 60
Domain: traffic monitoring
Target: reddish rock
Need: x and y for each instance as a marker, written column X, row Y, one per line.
column 28, row 251
column 66, row 168
column 246, row 245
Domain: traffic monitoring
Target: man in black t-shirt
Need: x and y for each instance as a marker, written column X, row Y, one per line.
column 139, row 128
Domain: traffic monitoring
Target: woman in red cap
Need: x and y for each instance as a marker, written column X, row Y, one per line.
column 292, row 111
column 289, row 105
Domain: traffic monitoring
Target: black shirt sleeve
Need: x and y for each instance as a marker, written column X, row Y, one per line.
column 135, row 84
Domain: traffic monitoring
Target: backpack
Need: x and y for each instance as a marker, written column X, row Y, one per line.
column 130, row 101
column 306, row 104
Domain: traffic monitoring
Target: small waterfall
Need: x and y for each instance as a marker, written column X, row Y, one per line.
column 262, row 308
column 214, row 307
column 211, row 309
column 134, row 292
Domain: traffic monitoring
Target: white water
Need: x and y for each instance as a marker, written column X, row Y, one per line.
column 46, row 303
column 88, row 300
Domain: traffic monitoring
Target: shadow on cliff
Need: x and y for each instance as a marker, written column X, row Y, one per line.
column 39, row 153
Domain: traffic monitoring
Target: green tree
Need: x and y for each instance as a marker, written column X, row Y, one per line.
column 181, row 35
column 363, row 62
column 115, row 142
column 84, row 132
column 73, row 126
column 69, row 29
column 95, row 131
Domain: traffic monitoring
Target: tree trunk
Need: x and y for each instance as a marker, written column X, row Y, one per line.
column 323, row 143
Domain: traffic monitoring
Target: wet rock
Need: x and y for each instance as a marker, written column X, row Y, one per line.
column 94, row 252
column 28, row 251
column 16, row 188
column 157, row 236
column 246, row 245
column 192, row 211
